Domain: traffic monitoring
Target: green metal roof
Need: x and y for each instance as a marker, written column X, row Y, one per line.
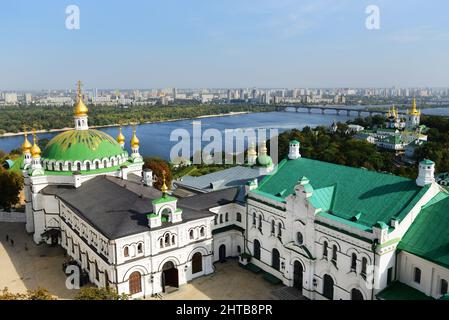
column 399, row 291
column 427, row 162
column 428, row 236
column 345, row 192
column 294, row 142
column 81, row 145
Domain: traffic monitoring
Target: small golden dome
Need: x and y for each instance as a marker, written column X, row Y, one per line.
column 26, row 146
column 80, row 108
column 121, row 137
column 134, row 140
column 252, row 149
column 164, row 187
column 35, row 150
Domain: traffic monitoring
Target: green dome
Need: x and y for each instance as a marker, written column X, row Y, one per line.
column 82, row 145
column 264, row 161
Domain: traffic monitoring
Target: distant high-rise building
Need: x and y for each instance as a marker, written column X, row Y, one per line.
column 11, row 98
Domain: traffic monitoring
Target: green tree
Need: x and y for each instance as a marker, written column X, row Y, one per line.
column 11, row 183
column 94, row 293
column 159, row 166
column 37, row 294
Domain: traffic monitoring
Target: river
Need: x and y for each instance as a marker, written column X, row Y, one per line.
column 155, row 137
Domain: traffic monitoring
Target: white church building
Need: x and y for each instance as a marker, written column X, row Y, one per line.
column 330, row 231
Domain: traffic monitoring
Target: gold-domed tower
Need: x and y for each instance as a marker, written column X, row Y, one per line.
column 135, row 155
column 80, row 111
column 35, row 150
column 121, row 138
column 26, row 145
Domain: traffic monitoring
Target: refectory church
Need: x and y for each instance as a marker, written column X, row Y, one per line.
column 330, row 231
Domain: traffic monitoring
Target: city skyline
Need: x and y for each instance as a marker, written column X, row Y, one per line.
column 224, row 44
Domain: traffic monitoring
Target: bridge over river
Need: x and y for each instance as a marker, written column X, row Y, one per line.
column 337, row 109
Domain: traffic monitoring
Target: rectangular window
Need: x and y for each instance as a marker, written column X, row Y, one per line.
column 417, row 275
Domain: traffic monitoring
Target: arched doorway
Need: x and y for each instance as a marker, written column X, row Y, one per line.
column 256, row 249
column 222, row 253
column 328, row 287
column 297, row 275
column 356, row 294
column 197, row 262
column 135, row 282
column 169, row 276
column 275, row 259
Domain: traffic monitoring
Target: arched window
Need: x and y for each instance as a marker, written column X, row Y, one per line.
column 325, row 245
column 78, row 166
column 135, row 283
column 273, row 227
column 279, row 230
column 126, row 252
column 239, row 249
column 161, row 243
column 105, row 164
column 328, row 287
column 202, row 232
column 364, row 266
column 70, row 166
column 254, row 218
column 197, row 262
column 173, row 240
column 353, row 262
column 275, row 259
column 299, row 238
column 167, row 240
column 356, row 294
column 139, row 248
column 216, row 220
column 97, row 165
column 260, row 222
column 60, row 166
column 191, row 234
column 221, row 218
column 443, row 287
column 417, row 275
column 112, row 162
column 88, row 166
column 256, row 249
column 239, row 217
column 334, row 254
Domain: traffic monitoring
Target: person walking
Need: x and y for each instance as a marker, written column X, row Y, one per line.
column 7, row 238
column 12, row 242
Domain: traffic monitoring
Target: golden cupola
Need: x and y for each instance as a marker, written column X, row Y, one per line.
column 35, row 150
column 252, row 150
column 164, row 187
column 80, row 108
column 121, row 137
column 414, row 111
column 134, row 140
column 26, row 146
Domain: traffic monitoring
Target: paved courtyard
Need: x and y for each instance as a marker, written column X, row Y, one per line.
column 41, row 266
column 228, row 282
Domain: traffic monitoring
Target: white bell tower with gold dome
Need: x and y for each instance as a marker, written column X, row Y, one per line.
column 80, row 111
column 135, row 155
column 413, row 116
column 26, row 150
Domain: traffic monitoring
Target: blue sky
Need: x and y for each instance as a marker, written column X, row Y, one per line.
column 223, row 43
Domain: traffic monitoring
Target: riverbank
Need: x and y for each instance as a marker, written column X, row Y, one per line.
column 13, row 134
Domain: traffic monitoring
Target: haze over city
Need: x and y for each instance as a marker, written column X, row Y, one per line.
column 223, row 44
